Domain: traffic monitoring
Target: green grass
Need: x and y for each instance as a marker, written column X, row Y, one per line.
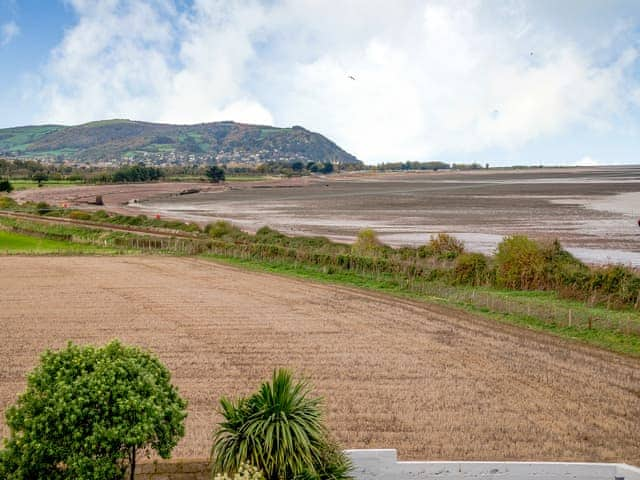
column 12, row 243
column 244, row 178
column 29, row 184
column 614, row 341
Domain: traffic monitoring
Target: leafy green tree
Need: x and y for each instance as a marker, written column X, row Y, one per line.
column 40, row 177
column 137, row 173
column 279, row 430
column 5, row 186
column 215, row 174
column 297, row 166
column 87, row 412
column 327, row 168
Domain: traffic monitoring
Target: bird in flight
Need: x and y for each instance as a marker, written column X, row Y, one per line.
column 352, row 77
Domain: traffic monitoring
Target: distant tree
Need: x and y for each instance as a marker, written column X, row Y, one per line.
column 297, row 166
column 86, row 413
column 215, row 174
column 5, row 186
column 137, row 173
column 327, row 167
column 40, row 177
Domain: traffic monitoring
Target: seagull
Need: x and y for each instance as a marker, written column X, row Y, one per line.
column 352, row 77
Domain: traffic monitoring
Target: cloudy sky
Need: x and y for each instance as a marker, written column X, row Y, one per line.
column 504, row 82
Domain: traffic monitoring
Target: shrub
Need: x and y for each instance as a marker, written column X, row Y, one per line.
column 87, row 411
column 42, row 208
column 7, row 202
column 614, row 284
column 245, row 472
column 269, row 235
column 278, row 429
column 471, row 269
column 520, row 263
column 215, row 174
column 561, row 268
column 223, row 229
column 444, row 246
column 100, row 215
column 367, row 244
column 5, row 186
column 79, row 215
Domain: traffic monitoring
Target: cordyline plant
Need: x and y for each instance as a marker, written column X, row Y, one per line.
column 278, row 430
column 87, row 412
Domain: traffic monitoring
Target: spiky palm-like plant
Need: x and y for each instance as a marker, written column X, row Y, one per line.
column 278, row 430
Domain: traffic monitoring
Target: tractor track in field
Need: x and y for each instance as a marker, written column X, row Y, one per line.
column 432, row 381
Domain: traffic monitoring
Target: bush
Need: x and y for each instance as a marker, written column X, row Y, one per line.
column 42, row 208
column 471, row 269
column 7, row 202
column 520, row 264
column 614, row 284
column 223, row 229
column 245, row 472
column 87, row 411
column 444, row 246
column 99, row 215
column 79, row 215
column 367, row 244
column 561, row 268
column 5, row 186
column 279, row 430
column 215, row 174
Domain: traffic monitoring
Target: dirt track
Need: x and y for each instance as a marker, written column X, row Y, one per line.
column 434, row 383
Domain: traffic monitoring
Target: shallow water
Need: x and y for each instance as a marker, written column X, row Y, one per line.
column 593, row 214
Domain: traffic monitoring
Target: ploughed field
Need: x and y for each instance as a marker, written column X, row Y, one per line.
column 432, row 382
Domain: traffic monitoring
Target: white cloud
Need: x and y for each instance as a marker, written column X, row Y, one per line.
column 8, row 31
column 587, row 161
column 432, row 77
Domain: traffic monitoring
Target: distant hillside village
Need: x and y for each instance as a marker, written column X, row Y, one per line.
column 238, row 158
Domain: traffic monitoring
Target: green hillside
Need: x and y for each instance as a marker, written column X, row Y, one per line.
column 224, row 142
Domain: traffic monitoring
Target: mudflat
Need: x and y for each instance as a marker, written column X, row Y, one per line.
column 433, row 382
column 594, row 211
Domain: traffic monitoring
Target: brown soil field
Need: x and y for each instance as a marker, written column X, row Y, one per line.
column 430, row 381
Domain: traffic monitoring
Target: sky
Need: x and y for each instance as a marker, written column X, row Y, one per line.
column 509, row 82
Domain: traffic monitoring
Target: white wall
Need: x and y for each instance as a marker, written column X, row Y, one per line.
column 383, row 465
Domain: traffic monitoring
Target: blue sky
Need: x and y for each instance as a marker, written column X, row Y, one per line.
column 499, row 82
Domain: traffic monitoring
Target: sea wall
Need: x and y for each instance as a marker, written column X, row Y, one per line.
column 384, row 465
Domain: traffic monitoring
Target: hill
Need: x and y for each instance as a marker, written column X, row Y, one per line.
column 125, row 140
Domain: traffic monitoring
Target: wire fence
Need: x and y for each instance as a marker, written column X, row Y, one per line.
column 405, row 275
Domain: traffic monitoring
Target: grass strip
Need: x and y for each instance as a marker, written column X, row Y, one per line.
column 627, row 344
column 15, row 243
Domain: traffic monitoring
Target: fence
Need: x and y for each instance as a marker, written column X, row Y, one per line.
column 407, row 275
